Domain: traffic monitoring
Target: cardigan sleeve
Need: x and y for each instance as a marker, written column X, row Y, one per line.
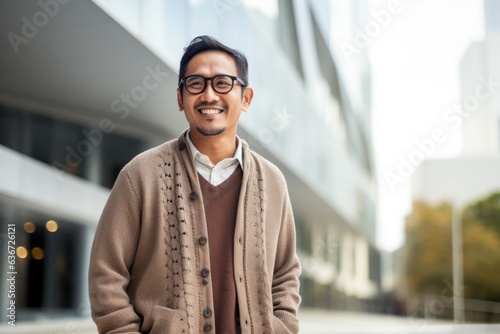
column 285, row 288
column 112, row 255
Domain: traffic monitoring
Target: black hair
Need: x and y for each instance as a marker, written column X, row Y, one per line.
column 207, row 43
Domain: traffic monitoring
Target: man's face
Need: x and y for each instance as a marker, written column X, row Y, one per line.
column 210, row 113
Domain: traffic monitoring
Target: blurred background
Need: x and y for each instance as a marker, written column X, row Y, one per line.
column 384, row 116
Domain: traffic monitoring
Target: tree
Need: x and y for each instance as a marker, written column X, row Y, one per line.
column 481, row 250
column 428, row 248
column 486, row 211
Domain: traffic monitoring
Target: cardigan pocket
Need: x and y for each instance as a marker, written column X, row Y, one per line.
column 167, row 320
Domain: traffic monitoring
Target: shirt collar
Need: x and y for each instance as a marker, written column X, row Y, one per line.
column 238, row 154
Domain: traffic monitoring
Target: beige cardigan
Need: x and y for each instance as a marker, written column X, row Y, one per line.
column 148, row 254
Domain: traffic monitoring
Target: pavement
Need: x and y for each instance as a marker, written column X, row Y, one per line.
column 324, row 322
column 312, row 322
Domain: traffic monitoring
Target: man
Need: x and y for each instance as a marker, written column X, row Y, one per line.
column 198, row 234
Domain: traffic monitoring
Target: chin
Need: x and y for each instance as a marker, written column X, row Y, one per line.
column 210, row 132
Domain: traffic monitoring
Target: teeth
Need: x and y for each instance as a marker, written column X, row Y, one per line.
column 210, row 111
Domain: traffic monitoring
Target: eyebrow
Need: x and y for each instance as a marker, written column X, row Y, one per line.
column 204, row 76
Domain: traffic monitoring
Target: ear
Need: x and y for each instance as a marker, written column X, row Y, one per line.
column 179, row 99
column 247, row 98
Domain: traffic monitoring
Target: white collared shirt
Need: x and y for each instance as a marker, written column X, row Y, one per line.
column 222, row 170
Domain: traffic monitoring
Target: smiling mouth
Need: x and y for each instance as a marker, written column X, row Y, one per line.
column 210, row 111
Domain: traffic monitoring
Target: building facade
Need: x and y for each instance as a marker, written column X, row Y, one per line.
column 472, row 175
column 87, row 85
column 477, row 119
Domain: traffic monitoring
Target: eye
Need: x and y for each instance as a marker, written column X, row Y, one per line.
column 223, row 82
column 195, row 82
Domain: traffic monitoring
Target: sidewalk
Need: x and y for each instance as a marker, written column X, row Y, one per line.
column 324, row 322
column 312, row 322
column 51, row 326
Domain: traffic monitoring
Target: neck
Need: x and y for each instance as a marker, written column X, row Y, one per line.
column 216, row 148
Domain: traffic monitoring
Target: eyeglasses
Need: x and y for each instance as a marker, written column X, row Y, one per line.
column 222, row 84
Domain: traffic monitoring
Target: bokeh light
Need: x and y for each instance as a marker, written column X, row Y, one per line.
column 51, row 226
column 29, row 227
column 37, row 253
column 21, row 252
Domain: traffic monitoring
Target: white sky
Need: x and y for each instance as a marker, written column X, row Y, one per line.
column 415, row 64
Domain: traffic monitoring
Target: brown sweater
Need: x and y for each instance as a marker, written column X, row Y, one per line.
column 150, row 254
column 221, row 206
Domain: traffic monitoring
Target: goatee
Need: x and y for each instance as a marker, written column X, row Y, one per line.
column 212, row 132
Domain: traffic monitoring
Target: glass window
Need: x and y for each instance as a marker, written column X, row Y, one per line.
column 77, row 149
column 50, row 253
column 287, row 34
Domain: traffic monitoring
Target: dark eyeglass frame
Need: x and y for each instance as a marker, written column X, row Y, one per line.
column 212, row 79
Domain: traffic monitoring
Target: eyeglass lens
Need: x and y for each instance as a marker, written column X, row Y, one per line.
column 220, row 84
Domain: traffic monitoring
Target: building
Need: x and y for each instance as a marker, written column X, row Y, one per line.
column 86, row 85
column 473, row 174
column 477, row 119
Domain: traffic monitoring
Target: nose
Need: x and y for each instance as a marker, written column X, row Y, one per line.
column 209, row 94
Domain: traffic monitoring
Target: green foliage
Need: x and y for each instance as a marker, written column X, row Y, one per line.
column 428, row 248
column 486, row 212
column 481, row 252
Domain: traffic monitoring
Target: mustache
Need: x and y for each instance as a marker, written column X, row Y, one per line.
column 215, row 105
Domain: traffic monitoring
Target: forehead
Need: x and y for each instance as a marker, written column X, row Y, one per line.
column 211, row 63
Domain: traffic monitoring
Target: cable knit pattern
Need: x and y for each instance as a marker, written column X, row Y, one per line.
column 178, row 237
column 147, row 258
column 255, row 217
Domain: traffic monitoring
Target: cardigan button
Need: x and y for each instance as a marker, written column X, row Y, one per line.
column 193, row 196
column 207, row 327
column 202, row 240
column 205, row 272
column 182, row 145
column 204, row 281
column 207, row 313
